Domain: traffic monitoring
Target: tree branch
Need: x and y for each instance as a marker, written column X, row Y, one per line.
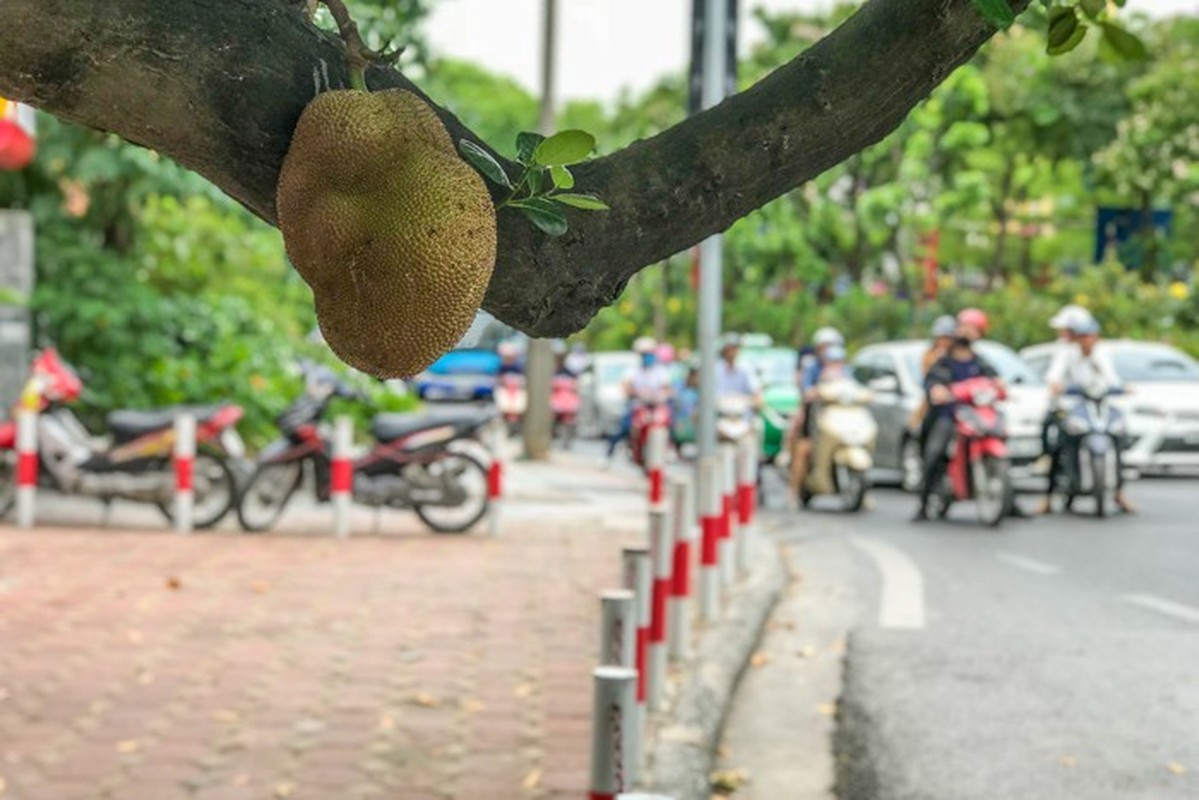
column 218, row 85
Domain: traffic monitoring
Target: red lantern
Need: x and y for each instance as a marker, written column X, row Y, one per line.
column 16, row 135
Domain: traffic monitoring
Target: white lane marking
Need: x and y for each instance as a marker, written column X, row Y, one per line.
column 1028, row 564
column 1163, row 606
column 902, row 601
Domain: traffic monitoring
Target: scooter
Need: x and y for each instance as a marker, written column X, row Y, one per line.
column 135, row 461
column 843, row 446
column 1093, row 429
column 733, row 420
column 978, row 463
column 511, row 400
column 564, row 403
column 416, row 461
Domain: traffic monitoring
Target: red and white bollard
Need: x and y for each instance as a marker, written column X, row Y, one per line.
column 185, row 461
column 655, row 463
column 26, row 466
column 661, row 537
column 495, row 477
column 638, row 577
column 728, row 517
column 678, row 624
column 341, row 474
column 710, row 484
column 612, row 713
column 747, row 497
column 618, row 629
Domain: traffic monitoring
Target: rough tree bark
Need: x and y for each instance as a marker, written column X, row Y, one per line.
column 218, row 85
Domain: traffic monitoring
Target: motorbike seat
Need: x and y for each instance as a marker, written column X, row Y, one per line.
column 128, row 423
column 387, row 427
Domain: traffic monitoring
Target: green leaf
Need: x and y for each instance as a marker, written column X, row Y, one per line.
column 1126, row 44
column 1065, row 31
column 996, row 12
column 588, row 202
column 526, row 143
column 483, row 162
column 564, row 147
column 562, row 178
column 544, row 214
column 536, row 176
column 1093, row 8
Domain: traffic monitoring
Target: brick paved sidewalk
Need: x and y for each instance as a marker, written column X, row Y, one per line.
column 138, row 665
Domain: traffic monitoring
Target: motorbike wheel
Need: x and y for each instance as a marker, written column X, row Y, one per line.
column 911, row 465
column 564, row 432
column 852, row 485
column 471, row 476
column 267, row 494
column 8, row 480
column 1102, row 486
column 993, row 491
column 215, row 491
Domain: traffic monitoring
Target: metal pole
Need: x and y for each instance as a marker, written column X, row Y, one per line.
column 539, row 363
column 710, row 266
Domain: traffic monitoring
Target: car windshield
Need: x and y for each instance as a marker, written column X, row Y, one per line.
column 1153, row 364
column 773, row 367
column 1007, row 363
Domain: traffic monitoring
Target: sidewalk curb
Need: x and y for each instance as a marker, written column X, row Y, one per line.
column 688, row 733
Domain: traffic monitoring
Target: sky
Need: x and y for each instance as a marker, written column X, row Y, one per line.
column 650, row 38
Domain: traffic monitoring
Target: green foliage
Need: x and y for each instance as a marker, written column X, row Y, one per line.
column 496, row 108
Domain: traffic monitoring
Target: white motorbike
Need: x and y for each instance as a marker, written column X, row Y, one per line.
column 734, row 417
column 1093, row 429
column 845, row 435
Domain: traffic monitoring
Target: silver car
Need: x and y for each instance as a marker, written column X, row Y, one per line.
column 892, row 370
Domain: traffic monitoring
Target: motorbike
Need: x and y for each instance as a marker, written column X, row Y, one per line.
column 651, row 410
column 733, row 420
column 1093, row 429
column 843, row 445
column 417, row 461
column 511, row 400
column 978, row 463
column 135, row 461
column 564, row 403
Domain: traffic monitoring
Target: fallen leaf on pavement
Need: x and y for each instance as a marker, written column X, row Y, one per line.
column 386, row 722
column 524, row 690
column 128, row 746
column 838, row 647
column 174, row 583
column 727, row 781
column 827, row 709
column 426, row 700
column 532, row 780
column 807, row 651
column 284, row 789
column 1070, row 762
column 758, row 659
column 226, row 715
column 724, row 751
column 1176, row 768
column 471, row 706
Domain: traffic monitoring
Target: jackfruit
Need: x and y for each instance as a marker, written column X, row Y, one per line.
column 394, row 233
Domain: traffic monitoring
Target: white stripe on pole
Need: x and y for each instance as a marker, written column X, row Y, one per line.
column 185, row 460
column 618, row 629
column 342, row 479
column 747, row 498
column 678, row 630
column 709, row 509
column 611, row 715
column 638, row 578
column 728, row 547
column 26, row 477
column 661, row 537
column 495, row 476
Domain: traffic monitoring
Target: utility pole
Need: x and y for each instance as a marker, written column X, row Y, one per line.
column 539, row 362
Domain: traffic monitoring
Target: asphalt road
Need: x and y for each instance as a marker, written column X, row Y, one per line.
column 1053, row 658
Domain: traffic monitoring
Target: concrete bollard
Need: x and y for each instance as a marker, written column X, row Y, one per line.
column 747, row 498
column 709, row 520
column 185, row 460
column 611, row 715
column 728, row 521
column 495, row 477
column 678, row 623
column 661, row 537
column 655, row 463
column 341, row 474
column 638, row 579
column 618, row 629
column 26, row 466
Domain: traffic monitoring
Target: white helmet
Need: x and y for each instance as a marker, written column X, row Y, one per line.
column 644, row 344
column 507, row 350
column 1069, row 317
column 826, row 336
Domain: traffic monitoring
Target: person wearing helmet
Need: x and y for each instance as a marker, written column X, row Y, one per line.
column 1078, row 363
column 1051, row 427
column 960, row 363
column 732, row 379
column 810, row 371
column 649, row 380
column 943, row 330
column 509, row 353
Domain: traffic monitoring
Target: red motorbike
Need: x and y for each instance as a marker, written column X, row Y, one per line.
column 135, row 461
column 564, row 402
column 650, row 411
column 978, row 458
column 511, row 400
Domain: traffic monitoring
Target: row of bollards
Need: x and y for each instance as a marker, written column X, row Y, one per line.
column 648, row 623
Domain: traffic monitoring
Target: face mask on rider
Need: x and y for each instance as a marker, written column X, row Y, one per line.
column 647, row 359
column 962, row 341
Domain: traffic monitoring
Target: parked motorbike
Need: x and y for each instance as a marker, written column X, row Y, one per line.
column 649, row 411
column 978, row 464
column 1093, row 428
column 843, row 445
column 564, row 403
column 135, row 461
column 415, row 463
column 511, row 400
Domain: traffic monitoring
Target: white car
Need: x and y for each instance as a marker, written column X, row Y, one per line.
column 601, row 392
column 1161, row 406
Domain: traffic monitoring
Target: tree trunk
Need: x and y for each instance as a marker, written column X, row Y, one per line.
column 999, row 208
column 1148, row 237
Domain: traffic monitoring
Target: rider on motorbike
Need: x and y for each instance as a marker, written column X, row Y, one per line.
column 943, row 330
column 647, row 382
column 509, row 353
column 1077, row 365
column 1062, row 322
column 959, row 364
column 809, row 376
column 733, row 380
